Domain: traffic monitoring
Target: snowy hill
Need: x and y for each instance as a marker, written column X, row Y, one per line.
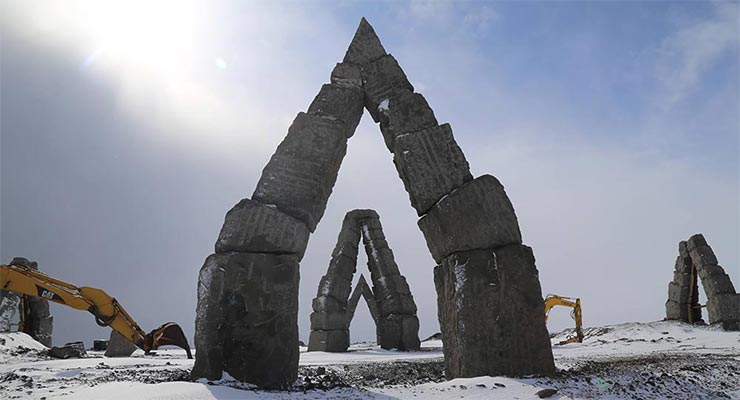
column 633, row 360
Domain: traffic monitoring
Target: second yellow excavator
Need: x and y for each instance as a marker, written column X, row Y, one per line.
column 107, row 311
column 553, row 300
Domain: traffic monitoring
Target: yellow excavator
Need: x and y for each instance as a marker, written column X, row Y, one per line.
column 552, row 300
column 107, row 311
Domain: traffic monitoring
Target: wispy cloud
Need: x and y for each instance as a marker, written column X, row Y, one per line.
column 688, row 54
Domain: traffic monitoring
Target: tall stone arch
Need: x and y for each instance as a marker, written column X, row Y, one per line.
column 333, row 308
column 489, row 299
column 696, row 261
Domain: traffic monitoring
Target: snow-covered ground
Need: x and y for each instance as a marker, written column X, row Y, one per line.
column 627, row 361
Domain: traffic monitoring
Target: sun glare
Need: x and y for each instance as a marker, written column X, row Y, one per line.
column 149, row 34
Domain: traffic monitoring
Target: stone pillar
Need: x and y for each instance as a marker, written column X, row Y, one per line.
column 246, row 322
column 470, row 228
column 723, row 301
column 36, row 320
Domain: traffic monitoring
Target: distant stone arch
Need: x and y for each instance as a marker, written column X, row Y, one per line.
column 391, row 302
column 696, row 261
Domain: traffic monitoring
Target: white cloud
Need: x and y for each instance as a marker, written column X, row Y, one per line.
column 686, row 55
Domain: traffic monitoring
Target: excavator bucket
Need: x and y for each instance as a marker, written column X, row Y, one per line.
column 167, row 334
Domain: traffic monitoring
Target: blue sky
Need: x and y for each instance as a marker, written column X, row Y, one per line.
column 127, row 130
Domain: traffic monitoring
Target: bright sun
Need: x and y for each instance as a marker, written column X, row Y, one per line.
column 138, row 33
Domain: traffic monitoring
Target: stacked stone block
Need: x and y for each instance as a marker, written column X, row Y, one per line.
column 34, row 316
column 247, row 323
column 696, row 259
column 489, row 298
column 246, row 320
column 391, row 305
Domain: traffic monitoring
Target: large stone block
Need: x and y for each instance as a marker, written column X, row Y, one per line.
column 431, row 165
column 344, row 104
column 477, row 216
column 119, row 346
column 694, row 242
column 717, row 284
column 329, row 320
column 347, row 75
column 678, row 293
column 405, row 112
column 247, row 319
column 252, row 227
column 335, row 286
column 382, row 78
column 365, row 46
column 301, row 174
column 395, row 303
column 343, row 266
column 380, row 262
column 327, row 304
column 724, row 309
column 392, row 284
column 703, row 255
column 361, row 214
column 706, row 271
column 399, row 332
column 334, row 341
column 682, row 279
column 676, row 311
column 491, row 314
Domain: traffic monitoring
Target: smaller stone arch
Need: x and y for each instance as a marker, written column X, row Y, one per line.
column 696, row 261
column 390, row 301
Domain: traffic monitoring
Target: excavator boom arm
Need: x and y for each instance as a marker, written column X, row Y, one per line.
column 554, row 300
column 107, row 311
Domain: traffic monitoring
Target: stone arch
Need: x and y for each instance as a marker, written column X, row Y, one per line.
column 489, row 297
column 395, row 309
column 696, row 261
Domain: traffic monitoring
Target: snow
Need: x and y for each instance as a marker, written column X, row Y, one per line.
column 383, row 106
column 630, row 360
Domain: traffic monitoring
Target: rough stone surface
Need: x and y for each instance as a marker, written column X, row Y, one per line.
column 301, row 174
column 725, row 310
column 398, row 331
column 247, row 313
column 404, row 113
column 329, row 320
column 490, row 310
column 697, row 261
column 326, row 303
column 477, row 216
column 365, row 45
column 347, row 75
column 431, row 165
column 390, row 303
column 69, row 350
column 334, row 341
column 382, row 79
column 35, row 319
column 119, row 346
column 335, row 286
column 252, row 227
column 340, row 103
column 9, row 309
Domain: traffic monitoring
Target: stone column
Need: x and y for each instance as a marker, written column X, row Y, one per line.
column 723, row 301
column 489, row 298
column 246, row 322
